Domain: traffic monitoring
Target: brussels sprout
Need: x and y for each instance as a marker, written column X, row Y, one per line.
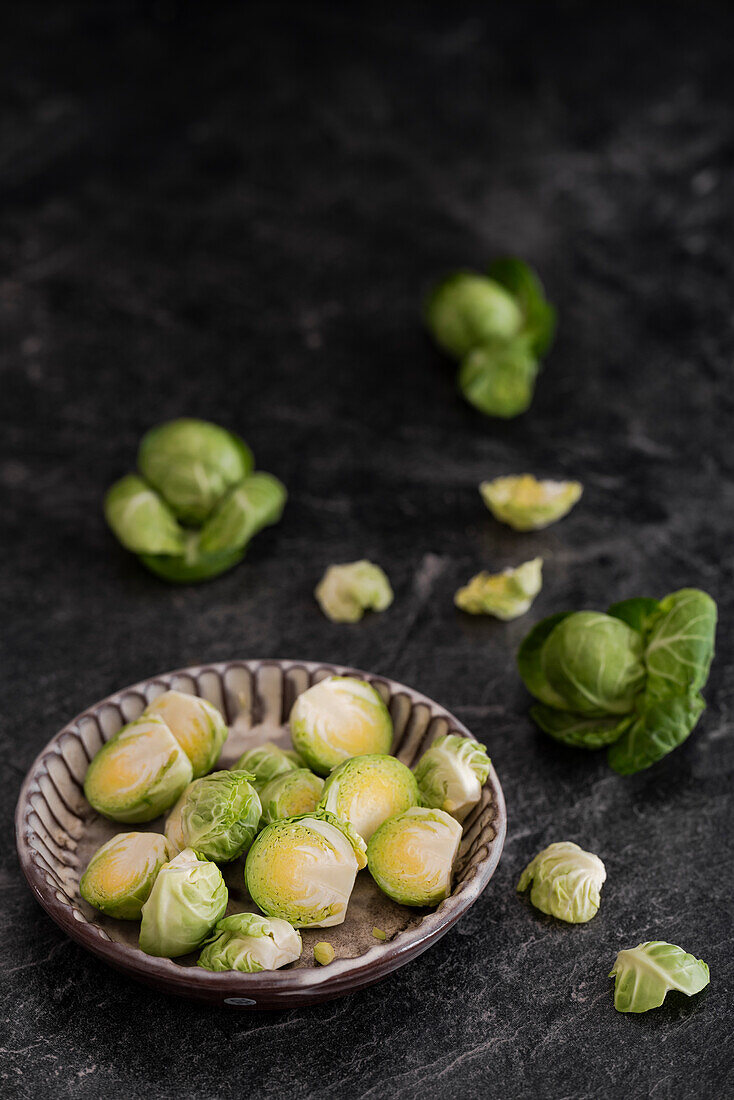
column 338, row 718
column 498, row 377
column 527, row 504
column 139, row 518
column 467, row 309
column 451, row 774
column 218, row 816
column 265, row 762
column 506, row 595
column 254, row 503
column 303, row 869
column 187, row 900
column 173, row 828
column 324, row 953
column 251, row 943
column 411, row 856
column 680, row 644
column 366, row 790
column 139, row 773
column 566, row 882
column 192, row 463
column 290, row 795
column 345, row 592
column 196, row 724
column 538, row 316
column 120, row 874
column 192, row 566
column 644, row 974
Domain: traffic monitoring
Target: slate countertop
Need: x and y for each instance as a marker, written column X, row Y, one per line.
column 234, row 213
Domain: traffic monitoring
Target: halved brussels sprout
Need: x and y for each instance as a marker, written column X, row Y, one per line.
column 139, row 773
column 345, row 592
column 411, row 856
column 527, row 504
column 187, row 900
column 192, row 463
column 506, row 595
column 120, row 874
column 303, row 869
column 290, row 795
column 217, row 815
column 251, row 943
column 366, row 790
column 566, row 882
column 265, row 762
column 467, row 309
column 196, row 724
column 338, row 718
column 451, row 774
column 140, row 519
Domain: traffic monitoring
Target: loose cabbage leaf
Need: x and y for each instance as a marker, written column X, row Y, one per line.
column 663, row 725
column 539, row 316
column 529, row 661
column 680, row 646
column 644, row 974
column 577, row 731
column 637, row 612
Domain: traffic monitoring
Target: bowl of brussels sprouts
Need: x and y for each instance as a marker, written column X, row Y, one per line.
column 260, row 833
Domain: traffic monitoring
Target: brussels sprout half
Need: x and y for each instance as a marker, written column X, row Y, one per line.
column 217, row 815
column 251, row 943
column 366, row 790
column 338, row 718
column 303, row 869
column 506, row 595
column 346, row 591
column 411, row 856
column 139, row 773
column 196, row 724
column 187, row 900
column 120, row 874
column 290, row 795
column 451, row 774
column 527, row 504
column 566, row 882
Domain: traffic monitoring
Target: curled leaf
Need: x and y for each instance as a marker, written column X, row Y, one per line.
column 644, row 974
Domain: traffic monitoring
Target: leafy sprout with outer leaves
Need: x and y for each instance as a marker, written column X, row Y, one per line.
column 630, row 679
column 499, row 326
column 451, row 773
column 566, row 882
column 250, row 943
column 644, row 974
column 187, row 900
column 217, row 815
column 195, row 505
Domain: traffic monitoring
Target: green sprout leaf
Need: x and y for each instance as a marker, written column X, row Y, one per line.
column 539, row 316
column 637, row 612
column 663, row 725
column 256, row 502
column 644, row 974
column 577, row 731
column 680, row 645
column 141, row 519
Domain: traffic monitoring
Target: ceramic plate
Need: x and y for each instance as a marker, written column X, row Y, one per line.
column 57, row 832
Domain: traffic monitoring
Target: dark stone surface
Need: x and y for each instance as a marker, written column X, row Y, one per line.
column 232, row 212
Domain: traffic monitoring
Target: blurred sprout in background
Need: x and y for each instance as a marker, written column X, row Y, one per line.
column 265, row 762
column 523, row 502
column 345, row 592
column 506, row 595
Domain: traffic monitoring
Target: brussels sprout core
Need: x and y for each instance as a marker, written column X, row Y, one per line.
column 506, row 595
column 196, row 724
column 120, row 874
column 345, row 592
column 251, row 943
column 527, row 504
column 303, row 869
column 338, row 718
column 187, row 900
column 139, row 773
column 366, row 790
column 451, row 773
column 411, row 856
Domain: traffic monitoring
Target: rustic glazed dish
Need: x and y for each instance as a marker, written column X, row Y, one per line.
column 57, row 832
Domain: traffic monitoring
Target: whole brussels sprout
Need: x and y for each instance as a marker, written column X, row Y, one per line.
column 290, row 795
column 451, row 774
column 187, row 900
column 192, row 463
column 196, row 724
column 506, row 595
column 466, row 309
column 338, row 718
column 217, row 816
column 498, row 377
column 411, row 856
column 527, row 504
column 120, row 874
column 566, row 882
column 366, row 790
column 141, row 519
column 265, row 762
column 138, row 773
column 251, row 943
column 303, row 869
column 345, row 592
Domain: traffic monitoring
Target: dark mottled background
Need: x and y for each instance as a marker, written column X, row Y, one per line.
column 232, row 211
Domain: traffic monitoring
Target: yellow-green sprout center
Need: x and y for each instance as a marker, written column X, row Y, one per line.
column 527, row 504
column 198, row 727
column 121, row 873
column 411, row 856
column 339, row 718
column 366, row 790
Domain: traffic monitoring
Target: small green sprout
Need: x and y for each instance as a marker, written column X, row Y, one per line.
column 566, row 882
column 290, row 795
column 379, row 934
column 345, row 592
column 506, row 595
column 265, row 762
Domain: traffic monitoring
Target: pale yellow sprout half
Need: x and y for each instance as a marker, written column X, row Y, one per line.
column 346, row 591
column 527, row 504
column 506, row 595
column 338, row 718
column 120, row 874
column 196, row 724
